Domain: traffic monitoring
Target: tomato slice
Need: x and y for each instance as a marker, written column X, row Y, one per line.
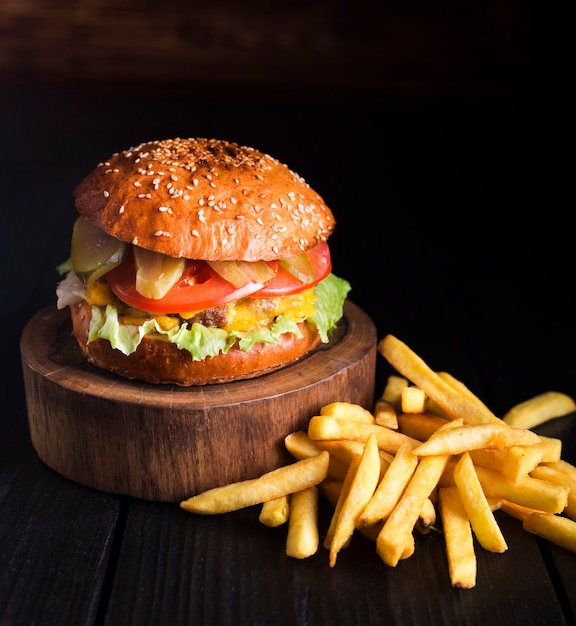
column 284, row 283
column 200, row 287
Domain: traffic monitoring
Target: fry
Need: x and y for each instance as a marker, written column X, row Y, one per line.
column 273, row 484
column 395, row 533
column 459, row 541
column 390, row 488
column 342, row 451
column 410, row 365
column 540, row 409
column 274, row 512
column 557, row 529
column 461, row 388
column 473, row 436
column 413, row 400
column 385, row 414
column 514, row 462
column 419, row 426
column 361, row 490
column 555, row 475
column 534, row 493
column 327, row 427
column 348, row 411
column 427, row 517
column 551, row 449
column 516, row 510
column 563, row 466
column 393, row 391
column 342, row 495
column 476, row 506
column 302, row 539
column 301, row 447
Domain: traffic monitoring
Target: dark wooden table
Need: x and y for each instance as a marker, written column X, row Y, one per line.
column 453, row 235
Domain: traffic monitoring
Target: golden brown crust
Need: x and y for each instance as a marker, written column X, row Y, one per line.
column 158, row 361
column 204, row 199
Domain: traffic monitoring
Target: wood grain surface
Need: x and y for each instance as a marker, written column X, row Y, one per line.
column 165, row 443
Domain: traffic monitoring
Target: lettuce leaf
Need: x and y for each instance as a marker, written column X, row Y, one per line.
column 202, row 341
column 330, row 295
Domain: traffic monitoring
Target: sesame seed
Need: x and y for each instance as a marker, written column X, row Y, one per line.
column 224, row 242
column 121, row 209
column 213, row 185
column 162, row 233
column 237, row 181
column 106, row 194
column 201, row 201
column 233, row 200
column 259, row 221
column 195, row 233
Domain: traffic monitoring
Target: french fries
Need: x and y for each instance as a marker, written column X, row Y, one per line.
column 476, row 506
column 325, row 427
column 559, row 530
column 452, row 403
column 393, row 391
column 303, row 539
column 473, row 436
column 348, row 411
column 413, row 400
column 362, row 486
column 390, row 488
column 534, row 493
column 394, row 535
column 275, row 512
column 540, row 409
column 273, row 484
column 458, row 539
column 428, row 445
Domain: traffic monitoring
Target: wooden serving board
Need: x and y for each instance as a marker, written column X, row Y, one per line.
column 164, row 442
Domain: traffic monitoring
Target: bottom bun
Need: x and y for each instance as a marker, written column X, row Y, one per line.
column 158, row 361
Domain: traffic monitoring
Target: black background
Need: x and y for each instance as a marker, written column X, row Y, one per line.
column 438, row 138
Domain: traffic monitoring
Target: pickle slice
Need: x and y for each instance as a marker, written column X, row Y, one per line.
column 240, row 273
column 94, row 252
column 156, row 273
column 299, row 266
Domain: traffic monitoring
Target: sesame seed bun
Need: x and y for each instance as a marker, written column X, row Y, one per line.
column 204, row 199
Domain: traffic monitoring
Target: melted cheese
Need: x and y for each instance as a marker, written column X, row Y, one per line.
column 250, row 313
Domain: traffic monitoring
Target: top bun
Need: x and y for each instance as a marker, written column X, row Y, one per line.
column 204, row 199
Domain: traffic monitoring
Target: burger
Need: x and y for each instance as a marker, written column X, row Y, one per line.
column 199, row 261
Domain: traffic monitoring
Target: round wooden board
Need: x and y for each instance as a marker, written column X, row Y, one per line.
column 164, row 442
